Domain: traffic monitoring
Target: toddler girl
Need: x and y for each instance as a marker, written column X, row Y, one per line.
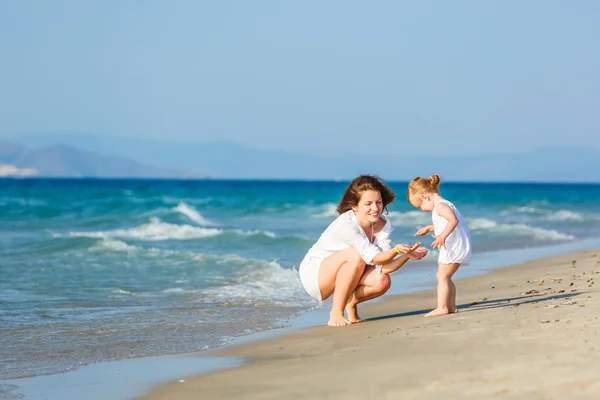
column 452, row 238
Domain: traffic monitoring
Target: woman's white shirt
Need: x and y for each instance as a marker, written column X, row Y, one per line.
column 345, row 232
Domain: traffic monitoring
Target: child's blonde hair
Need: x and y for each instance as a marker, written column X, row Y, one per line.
column 423, row 185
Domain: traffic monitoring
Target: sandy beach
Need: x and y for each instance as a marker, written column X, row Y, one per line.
column 526, row 331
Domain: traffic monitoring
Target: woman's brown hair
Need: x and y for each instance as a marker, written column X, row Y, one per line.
column 358, row 186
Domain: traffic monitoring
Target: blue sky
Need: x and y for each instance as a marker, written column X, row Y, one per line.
column 466, row 77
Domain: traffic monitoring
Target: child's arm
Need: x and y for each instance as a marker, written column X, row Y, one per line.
column 424, row 230
column 446, row 212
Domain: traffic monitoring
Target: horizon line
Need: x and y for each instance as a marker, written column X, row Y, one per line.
column 281, row 180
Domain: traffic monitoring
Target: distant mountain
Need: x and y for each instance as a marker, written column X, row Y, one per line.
column 214, row 159
column 229, row 160
column 67, row 161
column 11, row 152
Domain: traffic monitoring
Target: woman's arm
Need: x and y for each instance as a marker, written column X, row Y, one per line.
column 394, row 265
column 397, row 263
column 388, row 255
column 351, row 234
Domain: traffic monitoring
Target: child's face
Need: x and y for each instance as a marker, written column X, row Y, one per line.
column 424, row 201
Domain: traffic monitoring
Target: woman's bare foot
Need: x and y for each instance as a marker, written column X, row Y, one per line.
column 440, row 311
column 352, row 312
column 337, row 320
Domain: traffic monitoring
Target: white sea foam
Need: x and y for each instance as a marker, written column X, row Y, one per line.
column 250, row 279
column 256, row 233
column 521, row 210
column 265, row 281
column 409, row 218
column 177, row 290
column 153, row 231
column 213, row 259
column 565, row 215
column 112, row 244
column 527, row 209
column 156, row 230
column 482, row 224
column 192, row 214
column 191, row 200
column 549, row 215
column 328, row 210
column 534, row 207
column 231, row 258
column 107, row 244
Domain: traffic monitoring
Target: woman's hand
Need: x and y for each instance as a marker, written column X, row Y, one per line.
column 406, row 249
column 417, row 254
column 413, row 252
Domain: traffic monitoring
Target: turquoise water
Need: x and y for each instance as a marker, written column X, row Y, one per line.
column 97, row 270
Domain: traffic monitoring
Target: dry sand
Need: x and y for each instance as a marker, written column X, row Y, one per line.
column 528, row 331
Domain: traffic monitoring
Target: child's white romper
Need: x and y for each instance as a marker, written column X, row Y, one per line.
column 458, row 243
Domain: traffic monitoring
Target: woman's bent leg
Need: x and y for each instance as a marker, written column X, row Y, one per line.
column 371, row 285
column 339, row 275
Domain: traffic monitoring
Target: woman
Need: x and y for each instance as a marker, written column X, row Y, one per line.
column 353, row 258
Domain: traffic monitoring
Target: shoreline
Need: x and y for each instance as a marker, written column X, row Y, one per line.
column 512, row 323
column 182, row 366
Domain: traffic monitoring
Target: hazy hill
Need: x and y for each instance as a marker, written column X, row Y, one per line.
column 229, row 160
column 67, row 161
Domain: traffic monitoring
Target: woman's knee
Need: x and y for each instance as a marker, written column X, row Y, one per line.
column 382, row 283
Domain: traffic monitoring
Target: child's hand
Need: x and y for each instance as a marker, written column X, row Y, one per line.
column 422, row 232
column 439, row 242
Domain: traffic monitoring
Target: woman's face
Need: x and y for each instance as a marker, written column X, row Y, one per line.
column 369, row 207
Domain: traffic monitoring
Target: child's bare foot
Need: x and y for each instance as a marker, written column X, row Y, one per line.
column 440, row 311
column 352, row 312
column 337, row 320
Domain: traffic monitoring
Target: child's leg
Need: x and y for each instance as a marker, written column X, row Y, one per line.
column 452, row 298
column 446, row 291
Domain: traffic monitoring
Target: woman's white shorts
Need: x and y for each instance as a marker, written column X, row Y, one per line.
column 309, row 275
